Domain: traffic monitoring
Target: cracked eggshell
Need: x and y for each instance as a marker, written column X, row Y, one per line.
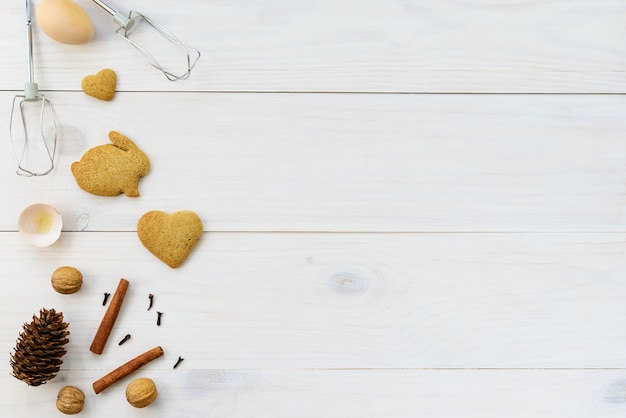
column 65, row 21
column 40, row 224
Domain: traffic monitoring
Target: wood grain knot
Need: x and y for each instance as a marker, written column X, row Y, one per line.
column 201, row 382
column 616, row 392
column 350, row 282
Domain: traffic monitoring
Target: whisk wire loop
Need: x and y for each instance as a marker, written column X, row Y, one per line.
column 192, row 54
column 128, row 23
column 49, row 141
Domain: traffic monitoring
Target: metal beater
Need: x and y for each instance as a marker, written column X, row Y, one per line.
column 37, row 149
column 128, row 23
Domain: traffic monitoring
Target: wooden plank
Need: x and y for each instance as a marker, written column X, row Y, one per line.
column 562, row 46
column 306, row 162
column 345, row 393
column 292, row 300
column 385, row 255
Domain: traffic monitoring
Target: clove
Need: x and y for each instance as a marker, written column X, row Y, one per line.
column 106, row 297
column 126, row 338
column 151, row 297
column 180, row 360
column 159, row 318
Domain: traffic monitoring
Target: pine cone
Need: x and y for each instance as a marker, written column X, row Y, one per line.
column 39, row 348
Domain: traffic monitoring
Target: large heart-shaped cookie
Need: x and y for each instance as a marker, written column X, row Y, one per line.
column 101, row 86
column 170, row 237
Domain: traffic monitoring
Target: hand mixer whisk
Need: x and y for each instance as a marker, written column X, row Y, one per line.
column 33, row 130
column 128, row 24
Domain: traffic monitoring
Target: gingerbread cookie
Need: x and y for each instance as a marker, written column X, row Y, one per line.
column 101, row 86
column 112, row 169
column 171, row 238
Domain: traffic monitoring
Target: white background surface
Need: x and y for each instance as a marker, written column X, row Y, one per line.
column 411, row 208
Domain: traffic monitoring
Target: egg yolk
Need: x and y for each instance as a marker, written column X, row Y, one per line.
column 44, row 222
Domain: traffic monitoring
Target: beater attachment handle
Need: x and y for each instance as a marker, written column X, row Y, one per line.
column 119, row 17
column 32, row 125
column 31, row 90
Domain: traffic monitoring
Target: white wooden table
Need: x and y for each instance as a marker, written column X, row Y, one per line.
column 412, row 208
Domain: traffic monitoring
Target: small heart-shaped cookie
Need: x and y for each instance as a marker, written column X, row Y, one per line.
column 101, row 86
column 171, row 238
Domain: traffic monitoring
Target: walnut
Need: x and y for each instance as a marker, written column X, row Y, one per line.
column 70, row 400
column 141, row 392
column 67, row 280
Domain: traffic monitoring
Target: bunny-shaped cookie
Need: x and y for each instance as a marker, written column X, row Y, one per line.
column 112, row 169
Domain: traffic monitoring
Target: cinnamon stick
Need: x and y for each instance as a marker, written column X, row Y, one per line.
column 126, row 369
column 108, row 320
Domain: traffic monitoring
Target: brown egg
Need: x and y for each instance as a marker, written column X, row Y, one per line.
column 65, row 21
